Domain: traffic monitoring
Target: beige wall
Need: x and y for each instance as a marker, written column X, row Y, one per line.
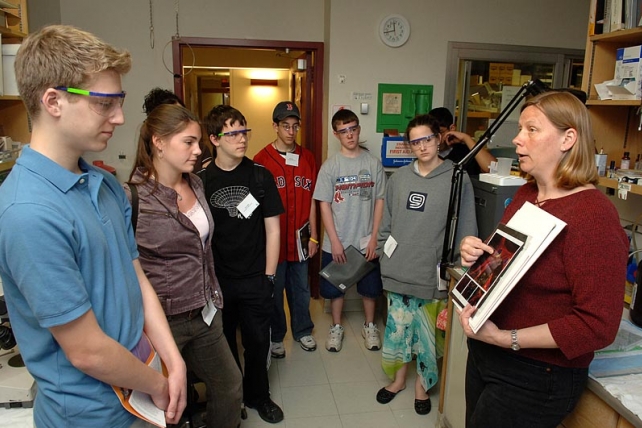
column 257, row 102
column 348, row 28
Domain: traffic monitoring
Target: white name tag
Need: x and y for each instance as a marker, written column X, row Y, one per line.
column 390, row 246
column 208, row 312
column 247, row 206
column 292, row 159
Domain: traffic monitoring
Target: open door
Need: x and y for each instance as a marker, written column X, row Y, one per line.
column 306, row 85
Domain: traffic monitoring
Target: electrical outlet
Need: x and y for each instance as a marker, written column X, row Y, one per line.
column 342, row 78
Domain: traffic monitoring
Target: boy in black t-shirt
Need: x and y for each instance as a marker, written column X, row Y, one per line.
column 246, row 205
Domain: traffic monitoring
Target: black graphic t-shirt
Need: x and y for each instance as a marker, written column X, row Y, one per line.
column 239, row 242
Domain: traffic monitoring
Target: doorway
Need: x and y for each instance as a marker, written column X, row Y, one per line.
column 253, row 76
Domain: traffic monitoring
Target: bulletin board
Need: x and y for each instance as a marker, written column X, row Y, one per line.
column 398, row 104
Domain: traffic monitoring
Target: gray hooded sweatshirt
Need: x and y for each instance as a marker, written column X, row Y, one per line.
column 414, row 214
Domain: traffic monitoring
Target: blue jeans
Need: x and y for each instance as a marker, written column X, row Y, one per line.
column 208, row 355
column 505, row 390
column 293, row 278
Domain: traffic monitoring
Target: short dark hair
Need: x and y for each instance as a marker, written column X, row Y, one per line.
column 159, row 96
column 443, row 116
column 219, row 115
column 343, row 116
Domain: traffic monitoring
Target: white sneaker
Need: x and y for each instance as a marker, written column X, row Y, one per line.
column 277, row 350
column 335, row 338
column 370, row 333
column 308, row 343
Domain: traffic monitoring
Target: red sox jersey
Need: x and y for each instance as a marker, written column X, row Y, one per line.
column 296, row 186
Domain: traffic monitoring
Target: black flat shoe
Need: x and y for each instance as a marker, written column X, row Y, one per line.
column 269, row 411
column 422, row 407
column 384, row 396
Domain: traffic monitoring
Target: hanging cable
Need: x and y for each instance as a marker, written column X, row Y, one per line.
column 151, row 24
column 177, row 37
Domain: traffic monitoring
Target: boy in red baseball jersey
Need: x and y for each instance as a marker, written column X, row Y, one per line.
column 294, row 171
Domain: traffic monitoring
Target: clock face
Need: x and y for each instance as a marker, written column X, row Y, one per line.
column 394, row 30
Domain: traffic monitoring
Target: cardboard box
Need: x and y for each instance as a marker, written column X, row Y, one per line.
column 628, row 74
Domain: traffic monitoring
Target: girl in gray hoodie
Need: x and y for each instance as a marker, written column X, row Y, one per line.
column 410, row 242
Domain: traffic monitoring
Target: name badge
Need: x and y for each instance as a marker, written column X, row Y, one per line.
column 390, row 246
column 247, row 206
column 292, row 159
column 208, row 312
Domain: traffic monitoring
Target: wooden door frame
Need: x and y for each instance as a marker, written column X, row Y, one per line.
column 316, row 136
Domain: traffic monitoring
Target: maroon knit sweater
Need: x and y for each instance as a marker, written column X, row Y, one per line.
column 577, row 284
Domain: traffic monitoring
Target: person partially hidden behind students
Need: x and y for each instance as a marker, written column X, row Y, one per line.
column 79, row 301
column 174, row 231
column 456, row 145
column 528, row 364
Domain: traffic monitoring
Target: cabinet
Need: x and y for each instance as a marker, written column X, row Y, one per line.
column 14, row 120
column 616, row 124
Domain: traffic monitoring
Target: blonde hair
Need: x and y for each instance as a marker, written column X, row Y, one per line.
column 62, row 55
column 577, row 167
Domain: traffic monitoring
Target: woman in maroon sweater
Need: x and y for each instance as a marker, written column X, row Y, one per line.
column 528, row 364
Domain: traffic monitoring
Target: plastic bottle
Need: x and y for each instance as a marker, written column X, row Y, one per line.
column 626, row 161
column 600, row 160
column 638, row 163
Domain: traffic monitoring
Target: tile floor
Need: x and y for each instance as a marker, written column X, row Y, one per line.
column 324, row 389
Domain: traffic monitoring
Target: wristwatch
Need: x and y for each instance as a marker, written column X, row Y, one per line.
column 514, row 345
column 271, row 278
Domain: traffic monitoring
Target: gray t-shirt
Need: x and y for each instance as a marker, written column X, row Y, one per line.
column 351, row 185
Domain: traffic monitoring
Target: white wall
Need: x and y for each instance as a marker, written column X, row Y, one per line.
column 348, row 27
column 357, row 52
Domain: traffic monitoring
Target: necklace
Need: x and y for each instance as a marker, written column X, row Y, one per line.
column 179, row 197
column 284, row 152
column 542, row 202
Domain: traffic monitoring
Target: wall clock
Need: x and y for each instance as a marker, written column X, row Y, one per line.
column 394, row 30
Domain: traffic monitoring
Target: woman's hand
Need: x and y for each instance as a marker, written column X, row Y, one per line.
column 488, row 332
column 471, row 248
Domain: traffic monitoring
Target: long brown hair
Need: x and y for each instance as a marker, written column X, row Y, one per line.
column 164, row 121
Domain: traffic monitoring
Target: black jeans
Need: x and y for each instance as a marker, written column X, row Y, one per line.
column 208, row 355
column 505, row 390
column 249, row 304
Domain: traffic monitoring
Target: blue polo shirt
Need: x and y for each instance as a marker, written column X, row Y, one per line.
column 66, row 246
